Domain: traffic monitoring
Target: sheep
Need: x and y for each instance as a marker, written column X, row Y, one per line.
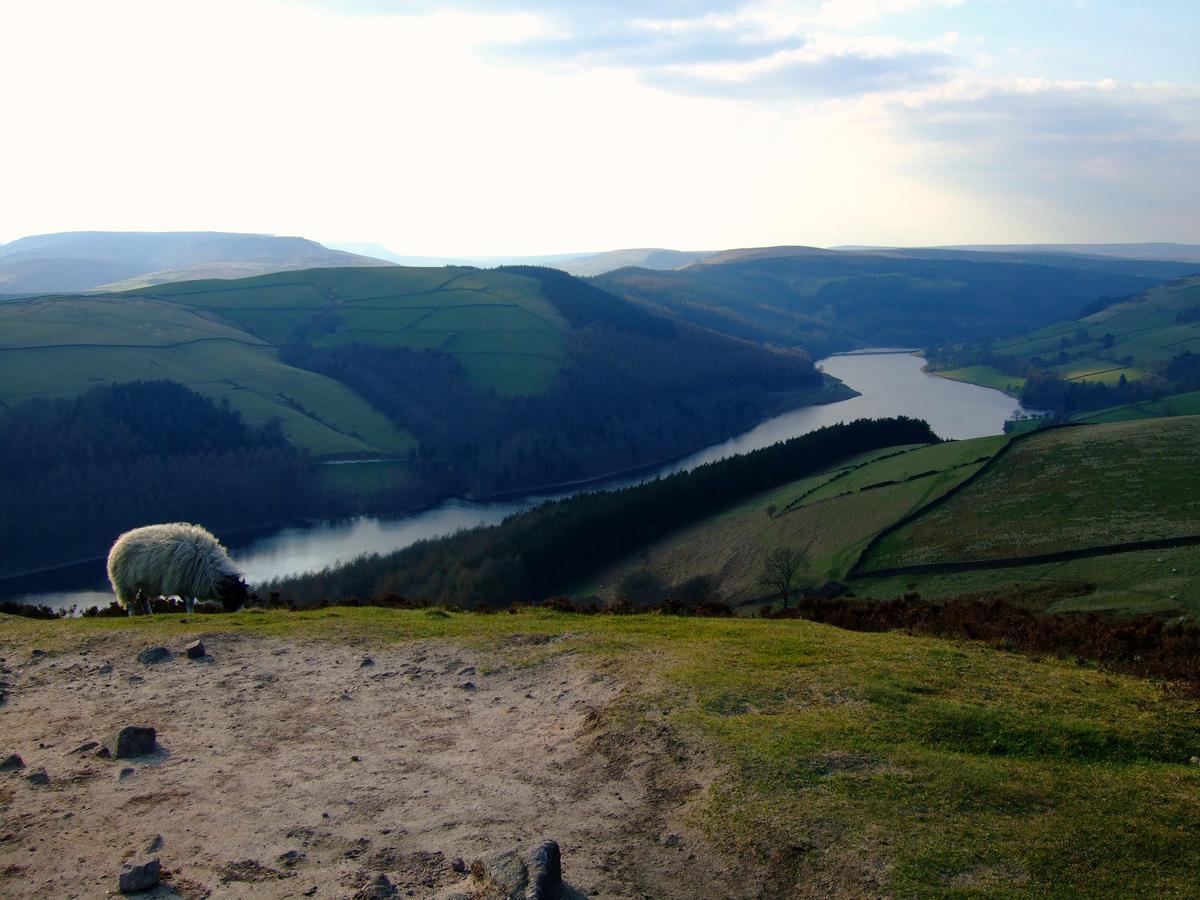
column 175, row 559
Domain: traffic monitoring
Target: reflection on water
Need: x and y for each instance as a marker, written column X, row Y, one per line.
column 889, row 384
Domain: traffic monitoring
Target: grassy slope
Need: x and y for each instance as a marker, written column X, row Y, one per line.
column 986, row 376
column 62, row 346
column 1065, row 489
column 219, row 337
column 505, row 333
column 829, row 514
column 1144, row 328
column 854, row 764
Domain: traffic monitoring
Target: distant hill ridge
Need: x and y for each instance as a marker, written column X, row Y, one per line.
column 120, row 260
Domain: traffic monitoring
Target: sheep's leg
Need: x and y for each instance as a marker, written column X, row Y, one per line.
column 189, row 604
column 148, row 606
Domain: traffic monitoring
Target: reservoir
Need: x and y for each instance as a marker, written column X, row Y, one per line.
column 888, row 383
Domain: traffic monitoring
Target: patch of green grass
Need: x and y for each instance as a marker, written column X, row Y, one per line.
column 850, row 763
column 1175, row 405
column 1148, row 582
column 986, row 376
column 1064, row 489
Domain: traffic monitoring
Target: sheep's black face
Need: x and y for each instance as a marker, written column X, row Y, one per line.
column 233, row 592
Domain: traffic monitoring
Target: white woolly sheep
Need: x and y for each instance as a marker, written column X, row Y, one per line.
column 173, row 560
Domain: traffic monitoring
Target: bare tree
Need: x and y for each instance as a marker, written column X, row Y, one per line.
column 782, row 568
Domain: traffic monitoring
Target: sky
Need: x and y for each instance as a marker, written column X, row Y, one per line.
column 511, row 127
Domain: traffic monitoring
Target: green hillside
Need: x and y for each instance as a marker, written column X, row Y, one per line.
column 831, row 516
column 499, row 326
column 1083, row 494
column 62, row 346
column 1129, row 338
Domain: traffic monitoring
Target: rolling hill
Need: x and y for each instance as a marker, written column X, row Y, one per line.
column 116, row 260
column 489, row 376
column 1122, row 353
column 827, row 300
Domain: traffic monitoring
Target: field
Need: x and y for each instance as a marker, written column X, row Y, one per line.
column 1129, row 338
column 1062, row 490
column 1174, row 405
column 507, row 336
column 744, row 758
column 986, row 376
column 220, row 338
column 62, row 346
column 831, row 516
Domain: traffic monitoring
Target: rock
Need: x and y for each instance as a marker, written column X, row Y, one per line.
column 671, row 840
column 366, row 662
column 458, row 865
column 140, row 878
column 12, row 763
column 524, row 873
column 378, row 889
column 467, row 686
column 155, row 844
column 37, row 654
column 152, row 655
column 84, row 748
column 195, row 650
column 105, row 669
column 39, row 777
column 290, row 858
column 132, row 740
column 126, row 772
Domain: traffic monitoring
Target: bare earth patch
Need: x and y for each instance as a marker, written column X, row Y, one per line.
column 295, row 769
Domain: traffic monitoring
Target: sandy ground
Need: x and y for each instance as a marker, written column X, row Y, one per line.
column 293, row 769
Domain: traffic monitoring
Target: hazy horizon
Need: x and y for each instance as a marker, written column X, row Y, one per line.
column 526, row 128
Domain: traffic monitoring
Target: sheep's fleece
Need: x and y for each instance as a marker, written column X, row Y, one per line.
column 176, row 559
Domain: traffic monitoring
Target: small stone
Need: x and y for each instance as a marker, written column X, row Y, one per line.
column 290, row 858
column 84, row 748
column 152, row 655
column 195, row 650
column 379, row 889
column 37, row 654
column 136, row 679
column 104, row 669
column 140, row 878
column 132, row 740
column 12, row 763
column 356, row 759
column 366, row 662
column 127, row 772
column 155, row 844
column 469, row 670
column 458, row 865
column 672, row 840
column 39, row 777
column 467, row 686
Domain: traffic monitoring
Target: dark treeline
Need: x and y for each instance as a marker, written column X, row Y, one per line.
column 76, row 473
column 637, row 388
column 535, row 554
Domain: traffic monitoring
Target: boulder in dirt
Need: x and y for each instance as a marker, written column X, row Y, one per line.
column 12, row 763
column 195, row 650
column 379, row 888
column 152, row 655
column 40, row 777
column 140, row 878
column 132, row 740
column 531, row 872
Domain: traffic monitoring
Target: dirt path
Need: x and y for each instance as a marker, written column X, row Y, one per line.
column 293, row 769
